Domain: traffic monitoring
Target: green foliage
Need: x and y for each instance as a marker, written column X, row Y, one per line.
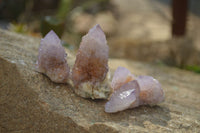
column 56, row 23
column 18, row 27
column 193, row 68
column 64, row 8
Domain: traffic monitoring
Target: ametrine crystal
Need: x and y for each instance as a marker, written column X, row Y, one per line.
column 151, row 91
column 120, row 77
column 51, row 59
column 133, row 92
column 91, row 65
column 123, row 98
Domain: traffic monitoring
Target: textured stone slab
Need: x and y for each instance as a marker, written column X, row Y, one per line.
column 30, row 102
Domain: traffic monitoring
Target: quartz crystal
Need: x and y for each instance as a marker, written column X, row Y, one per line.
column 123, row 98
column 91, row 65
column 131, row 91
column 121, row 76
column 150, row 90
column 51, row 59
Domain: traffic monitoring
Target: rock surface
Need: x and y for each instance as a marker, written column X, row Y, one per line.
column 30, row 102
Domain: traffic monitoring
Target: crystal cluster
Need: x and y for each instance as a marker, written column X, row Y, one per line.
column 51, row 59
column 89, row 74
column 91, row 65
column 131, row 91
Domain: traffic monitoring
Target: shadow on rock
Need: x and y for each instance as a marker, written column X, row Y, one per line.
column 157, row 115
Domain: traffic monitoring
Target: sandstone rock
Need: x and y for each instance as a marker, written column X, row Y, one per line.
column 30, row 102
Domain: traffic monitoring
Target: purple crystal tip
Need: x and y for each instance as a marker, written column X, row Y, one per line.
column 91, row 65
column 92, row 58
column 51, row 58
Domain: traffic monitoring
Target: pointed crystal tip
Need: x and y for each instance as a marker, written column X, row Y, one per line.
column 51, row 58
column 123, row 98
column 51, row 38
column 91, row 65
column 97, row 33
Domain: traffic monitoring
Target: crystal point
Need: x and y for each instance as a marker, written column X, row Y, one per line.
column 151, row 91
column 51, row 58
column 121, row 76
column 91, row 65
column 123, row 98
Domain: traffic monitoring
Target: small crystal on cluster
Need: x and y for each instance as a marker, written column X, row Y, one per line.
column 91, row 65
column 51, row 59
column 133, row 92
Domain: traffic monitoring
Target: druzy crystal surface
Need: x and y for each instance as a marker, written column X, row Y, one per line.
column 51, row 59
column 131, row 91
column 91, row 65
